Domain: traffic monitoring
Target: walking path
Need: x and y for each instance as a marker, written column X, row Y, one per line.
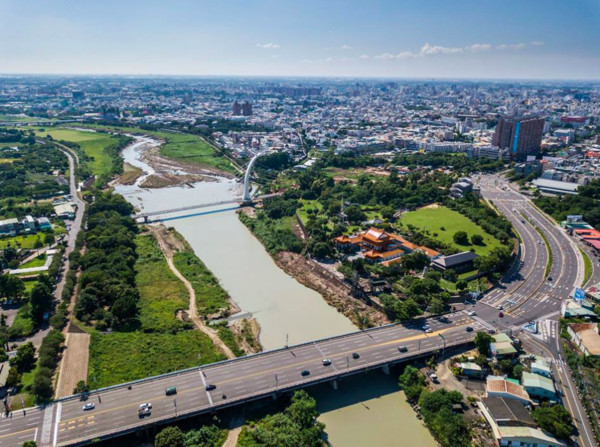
column 192, row 312
column 74, row 364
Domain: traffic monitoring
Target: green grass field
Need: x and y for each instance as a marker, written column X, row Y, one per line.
column 25, row 241
column 92, row 144
column 210, row 296
column 36, row 262
column 183, row 147
column 121, row 357
column 162, row 294
column 434, row 219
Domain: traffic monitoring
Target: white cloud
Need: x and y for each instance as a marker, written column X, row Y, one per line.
column 329, row 59
column 364, row 56
column 269, row 45
column 479, row 47
column 307, row 61
column 536, row 43
column 429, row 50
column 346, row 47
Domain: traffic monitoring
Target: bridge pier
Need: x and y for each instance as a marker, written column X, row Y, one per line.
column 386, row 369
column 274, row 396
column 334, row 384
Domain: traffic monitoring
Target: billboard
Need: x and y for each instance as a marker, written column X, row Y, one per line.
column 579, row 294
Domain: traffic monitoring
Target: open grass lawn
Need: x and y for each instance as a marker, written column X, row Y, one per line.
column 21, row 119
column 22, row 325
column 125, row 356
column 36, row 262
column 92, row 143
column 24, row 241
column 162, row 294
column 443, row 222
column 210, row 296
column 305, row 205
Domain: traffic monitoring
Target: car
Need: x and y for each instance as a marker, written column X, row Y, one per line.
column 433, row 377
column 549, row 278
column 305, row 372
column 402, row 348
column 501, row 314
column 491, row 331
column 89, row 406
column 469, row 329
column 146, row 405
column 500, row 307
column 471, row 313
column 210, row 387
column 326, row 362
column 428, row 330
column 355, row 355
column 170, row 391
column 142, row 412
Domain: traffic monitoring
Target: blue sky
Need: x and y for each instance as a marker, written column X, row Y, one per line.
column 381, row 38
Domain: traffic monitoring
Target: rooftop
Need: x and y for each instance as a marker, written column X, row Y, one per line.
column 535, row 380
column 457, row 259
column 527, row 435
column 505, row 410
column 588, row 334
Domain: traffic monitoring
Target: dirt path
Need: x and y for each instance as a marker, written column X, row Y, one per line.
column 235, row 427
column 74, row 364
column 192, row 311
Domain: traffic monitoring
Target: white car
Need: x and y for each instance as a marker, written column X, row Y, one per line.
column 472, row 313
column 89, row 406
column 428, row 330
column 326, row 362
column 145, row 405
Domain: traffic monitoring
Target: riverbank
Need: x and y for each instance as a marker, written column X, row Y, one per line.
column 335, row 292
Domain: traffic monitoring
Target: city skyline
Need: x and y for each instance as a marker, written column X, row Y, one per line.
column 481, row 40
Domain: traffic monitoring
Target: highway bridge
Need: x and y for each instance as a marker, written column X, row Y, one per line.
column 64, row 423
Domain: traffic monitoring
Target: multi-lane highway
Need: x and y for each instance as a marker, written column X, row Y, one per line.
column 528, row 292
column 116, row 410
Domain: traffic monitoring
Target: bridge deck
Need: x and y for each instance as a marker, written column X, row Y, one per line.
column 241, row 380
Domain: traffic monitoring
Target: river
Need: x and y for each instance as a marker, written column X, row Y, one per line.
column 368, row 409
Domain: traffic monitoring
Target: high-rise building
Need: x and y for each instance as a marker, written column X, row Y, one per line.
column 236, row 108
column 521, row 136
column 246, row 109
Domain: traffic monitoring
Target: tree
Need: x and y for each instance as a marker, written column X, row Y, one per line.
column 462, row 285
column 42, row 386
column 81, row 387
column 29, row 444
column 11, row 287
column 40, row 301
column 461, row 238
column 49, row 239
column 482, row 342
column 556, row 420
column 321, row 250
column 412, row 382
column 477, row 239
column 517, row 371
column 355, row 214
column 14, row 378
column 169, row 437
column 24, row 359
column 436, row 306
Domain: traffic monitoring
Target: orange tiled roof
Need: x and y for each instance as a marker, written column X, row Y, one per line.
column 506, row 386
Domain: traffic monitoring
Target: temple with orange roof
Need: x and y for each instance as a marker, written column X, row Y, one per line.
column 380, row 246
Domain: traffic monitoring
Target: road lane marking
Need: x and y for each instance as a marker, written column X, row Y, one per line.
column 58, row 413
column 204, row 384
column 287, row 368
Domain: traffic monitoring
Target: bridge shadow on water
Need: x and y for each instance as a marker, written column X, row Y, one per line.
column 203, row 213
column 356, row 389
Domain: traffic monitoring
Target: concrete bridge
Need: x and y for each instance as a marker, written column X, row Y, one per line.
column 236, row 382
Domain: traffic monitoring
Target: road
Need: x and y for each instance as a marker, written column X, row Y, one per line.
column 247, row 378
column 528, row 292
column 530, row 295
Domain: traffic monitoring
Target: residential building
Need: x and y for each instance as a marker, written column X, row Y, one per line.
column 538, row 386
column 506, row 412
column 470, row 369
column 522, row 136
column 236, row 108
column 9, row 227
column 507, row 388
column 246, row 109
column 502, row 346
column 525, row 437
column 585, row 336
column 540, row 366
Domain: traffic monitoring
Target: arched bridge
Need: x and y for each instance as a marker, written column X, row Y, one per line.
column 245, row 199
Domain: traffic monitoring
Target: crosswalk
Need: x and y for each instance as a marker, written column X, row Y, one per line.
column 548, row 330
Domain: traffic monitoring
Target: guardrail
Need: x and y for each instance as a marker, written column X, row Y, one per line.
column 145, row 423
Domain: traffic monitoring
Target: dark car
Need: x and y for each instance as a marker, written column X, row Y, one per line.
column 305, row 372
column 549, row 278
column 501, row 314
column 210, row 387
column 355, row 355
column 469, row 329
column 170, row 391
